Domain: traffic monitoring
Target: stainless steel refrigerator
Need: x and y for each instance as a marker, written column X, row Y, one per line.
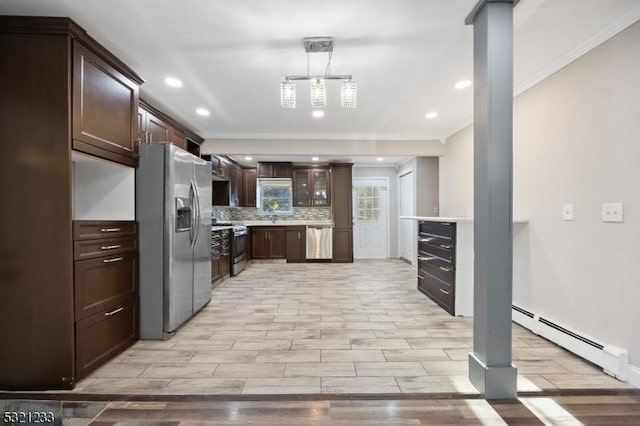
column 173, row 209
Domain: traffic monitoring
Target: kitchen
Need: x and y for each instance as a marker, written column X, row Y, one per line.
column 92, row 178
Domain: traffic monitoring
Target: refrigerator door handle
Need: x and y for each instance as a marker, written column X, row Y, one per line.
column 196, row 213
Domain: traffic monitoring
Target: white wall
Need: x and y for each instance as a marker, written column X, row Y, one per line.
column 390, row 174
column 102, row 190
column 575, row 141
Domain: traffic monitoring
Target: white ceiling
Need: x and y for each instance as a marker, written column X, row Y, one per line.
column 405, row 55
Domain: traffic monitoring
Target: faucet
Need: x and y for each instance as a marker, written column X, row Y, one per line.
column 273, row 218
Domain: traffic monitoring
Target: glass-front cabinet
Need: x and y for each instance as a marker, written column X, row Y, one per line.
column 301, row 188
column 320, row 191
column 311, row 187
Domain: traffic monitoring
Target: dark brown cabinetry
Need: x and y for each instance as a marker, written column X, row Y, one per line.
column 248, row 198
column 311, row 187
column 102, row 336
column 341, row 204
column 436, row 263
column 66, row 91
column 219, row 166
column 236, row 179
column 105, row 290
column 155, row 126
column 105, row 102
column 274, row 170
column 296, row 245
column 220, row 254
column 268, row 242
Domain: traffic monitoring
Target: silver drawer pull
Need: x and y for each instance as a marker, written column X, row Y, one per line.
column 445, row 246
column 115, row 259
column 443, row 291
column 110, row 229
column 111, row 247
column 108, row 314
column 425, row 240
column 425, row 258
column 445, row 269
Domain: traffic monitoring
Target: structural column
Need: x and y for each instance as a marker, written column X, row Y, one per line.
column 490, row 368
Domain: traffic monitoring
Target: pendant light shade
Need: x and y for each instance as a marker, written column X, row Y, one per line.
column 318, row 93
column 349, row 94
column 287, row 94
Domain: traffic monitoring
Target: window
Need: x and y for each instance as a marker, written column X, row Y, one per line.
column 369, row 203
column 275, row 196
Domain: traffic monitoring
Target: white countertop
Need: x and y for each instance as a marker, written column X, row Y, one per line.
column 452, row 219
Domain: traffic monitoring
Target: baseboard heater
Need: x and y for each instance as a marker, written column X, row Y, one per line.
column 613, row 360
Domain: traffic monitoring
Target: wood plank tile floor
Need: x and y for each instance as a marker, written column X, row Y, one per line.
column 560, row 410
column 359, row 328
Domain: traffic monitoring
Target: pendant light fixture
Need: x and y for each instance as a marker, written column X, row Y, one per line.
column 317, row 83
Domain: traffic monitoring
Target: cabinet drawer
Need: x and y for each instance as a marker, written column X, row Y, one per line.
column 440, row 269
column 92, row 229
column 103, row 335
column 439, row 247
column 441, row 229
column 87, row 249
column 102, row 282
column 438, row 291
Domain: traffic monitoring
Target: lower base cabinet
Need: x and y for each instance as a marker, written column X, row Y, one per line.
column 437, row 263
column 220, row 254
column 296, row 244
column 102, row 336
column 105, row 291
column 268, row 242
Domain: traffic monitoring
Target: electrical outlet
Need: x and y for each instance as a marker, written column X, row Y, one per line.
column 612, row 212
column 567, row 212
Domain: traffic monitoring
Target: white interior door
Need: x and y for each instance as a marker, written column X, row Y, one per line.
column 407, row 227
column 371, row 213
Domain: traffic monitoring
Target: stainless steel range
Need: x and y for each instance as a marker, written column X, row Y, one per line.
column 239, row 248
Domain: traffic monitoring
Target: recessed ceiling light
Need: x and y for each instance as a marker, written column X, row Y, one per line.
column 247, row 158
column 314, row 159
column 380, row 159
column 431, row 115
column 173, row 82
column 203, row 112
column 318, row 113
column 462, row 84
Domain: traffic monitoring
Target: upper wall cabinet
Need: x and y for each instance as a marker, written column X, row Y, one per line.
column 274, row 170
column 105, row 102
column 155, row 126
column 311, row 187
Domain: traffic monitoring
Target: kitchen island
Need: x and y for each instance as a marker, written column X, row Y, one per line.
column 445, row 260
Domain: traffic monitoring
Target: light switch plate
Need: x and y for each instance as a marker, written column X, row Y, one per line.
column 612, row 212
column 567, row 212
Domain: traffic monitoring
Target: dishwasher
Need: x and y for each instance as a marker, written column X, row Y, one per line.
column 319, row 242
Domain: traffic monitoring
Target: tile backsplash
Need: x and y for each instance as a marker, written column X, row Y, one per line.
column 253, row 213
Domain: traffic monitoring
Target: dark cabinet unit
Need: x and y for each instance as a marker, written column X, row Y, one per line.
column 155, row 126
column 341, row 205
column 104, row 104
column 236, row 179
column 436, row 263
column 311, row 187
column 220, row 254
column 63, row 91
column 105, row 290
column 274, row 170
column 296, row 244
column 249, row 188
column 268, row 242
